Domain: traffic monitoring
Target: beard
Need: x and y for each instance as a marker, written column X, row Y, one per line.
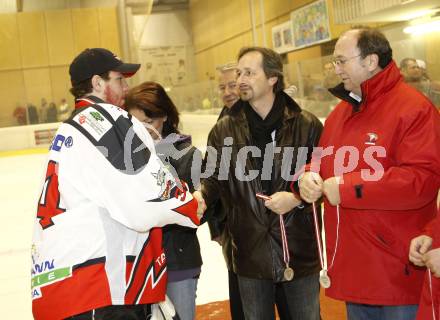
column 113, row 98
column 245, row 94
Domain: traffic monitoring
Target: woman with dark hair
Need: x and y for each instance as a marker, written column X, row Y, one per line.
column 150, row 104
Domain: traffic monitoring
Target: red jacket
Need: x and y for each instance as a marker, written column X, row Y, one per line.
column 430, row 300
column 429, row 304
column 378, row 219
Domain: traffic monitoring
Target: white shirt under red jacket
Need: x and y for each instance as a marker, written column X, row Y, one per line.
column 96, row 239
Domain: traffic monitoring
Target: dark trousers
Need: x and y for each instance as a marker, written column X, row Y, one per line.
column 234, row 297
column 236, row 306
column 301, row 298
column 357, row 311
column 137, row 312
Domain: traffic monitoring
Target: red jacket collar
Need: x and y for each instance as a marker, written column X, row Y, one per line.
column 381, row 83
column 87, row 101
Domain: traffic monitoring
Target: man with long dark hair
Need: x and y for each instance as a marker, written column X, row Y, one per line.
column 273, row 246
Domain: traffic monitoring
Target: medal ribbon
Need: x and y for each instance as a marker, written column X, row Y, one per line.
column 286, row 256
column 322, row 251
column 432, row 297
column 318, row 240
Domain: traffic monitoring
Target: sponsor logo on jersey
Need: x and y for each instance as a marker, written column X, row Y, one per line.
column 166, row 182
column 44, row 273
column 69, row 142
column 36, row 293
column 97, row 115
column 42, row 266
column 93, row 122
column 59, row 141
column 47, row 278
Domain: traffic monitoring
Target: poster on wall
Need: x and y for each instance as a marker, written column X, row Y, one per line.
column 282, row 37
column 310, row 25
column 165, row 65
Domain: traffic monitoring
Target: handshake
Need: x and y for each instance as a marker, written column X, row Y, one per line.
column 312, row 187
column 201, row 205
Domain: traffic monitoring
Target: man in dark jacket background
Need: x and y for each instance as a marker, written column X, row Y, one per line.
column 257, row 146
column 228, row 90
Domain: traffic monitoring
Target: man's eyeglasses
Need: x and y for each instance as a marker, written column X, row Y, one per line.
column 338, row 62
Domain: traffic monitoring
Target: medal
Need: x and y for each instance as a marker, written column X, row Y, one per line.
column 288, row 273
column 324, row 279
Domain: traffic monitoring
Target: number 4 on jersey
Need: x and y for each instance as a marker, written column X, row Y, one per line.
column 49, row 203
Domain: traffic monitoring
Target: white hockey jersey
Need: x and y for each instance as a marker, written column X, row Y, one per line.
column 105, row 190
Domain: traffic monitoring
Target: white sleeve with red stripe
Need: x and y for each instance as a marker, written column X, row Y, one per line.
column 143, row 200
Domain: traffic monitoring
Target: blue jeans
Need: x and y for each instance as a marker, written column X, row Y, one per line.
column 183, row 295
column 235, row 304
column 301, row 296
column 357, row 311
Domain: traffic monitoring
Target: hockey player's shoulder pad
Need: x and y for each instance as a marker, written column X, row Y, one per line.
column 110, row 130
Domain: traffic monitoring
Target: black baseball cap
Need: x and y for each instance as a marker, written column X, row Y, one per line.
column 98, row 61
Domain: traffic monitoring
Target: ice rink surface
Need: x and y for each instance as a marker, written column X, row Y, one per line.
column 20, row 183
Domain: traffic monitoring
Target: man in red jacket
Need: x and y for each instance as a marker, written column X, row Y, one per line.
column 379, row 173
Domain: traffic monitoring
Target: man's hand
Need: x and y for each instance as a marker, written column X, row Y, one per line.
column 201, row 208
column 330, row 188
column 282, row 202
column 310, row 187
column 432, row 261
column 417, row 248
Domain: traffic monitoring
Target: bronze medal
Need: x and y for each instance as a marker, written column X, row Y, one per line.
column 288, row 273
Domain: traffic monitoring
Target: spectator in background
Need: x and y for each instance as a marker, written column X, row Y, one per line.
column 413, row 74
column 20, row 115
column 206, row 103
column 63, row 110
column 422, row 66
column 181, row 72
column 32, row 113
column 43, row 111
column 52, row 113
column 151, row 105
column 331, row 79
column 227, row 84
column 416, row 75
column 291, row 90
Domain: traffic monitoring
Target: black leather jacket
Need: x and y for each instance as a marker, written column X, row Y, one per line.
column 217, row 219
column 255, row 231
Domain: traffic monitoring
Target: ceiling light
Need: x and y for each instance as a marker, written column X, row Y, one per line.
column 424, row 27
